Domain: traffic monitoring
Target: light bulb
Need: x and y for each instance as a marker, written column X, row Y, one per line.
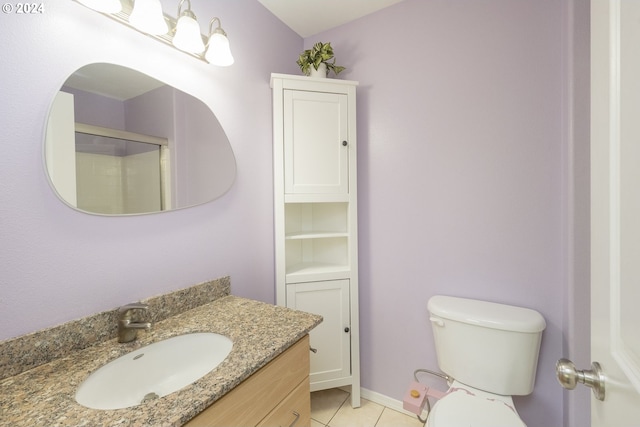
column 147, row 17
column 218, row 50
column 187, row 37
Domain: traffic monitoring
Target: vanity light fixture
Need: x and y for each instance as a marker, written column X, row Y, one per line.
column 104, row 6
column 187, row 36
column 182, row 33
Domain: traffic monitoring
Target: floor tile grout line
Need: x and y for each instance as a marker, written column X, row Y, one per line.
column 344, row 402
column 319, row 422
column 379, row 416
column 338, row 410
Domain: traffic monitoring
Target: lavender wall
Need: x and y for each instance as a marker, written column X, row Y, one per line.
column 195, row 138
column 97, row 110
column 578, row 298
column 58, row 264
column 463, row 173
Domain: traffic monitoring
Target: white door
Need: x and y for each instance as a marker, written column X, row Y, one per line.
column 330, row 341
column 615, row 209
column 316, row 150
column 60, row 147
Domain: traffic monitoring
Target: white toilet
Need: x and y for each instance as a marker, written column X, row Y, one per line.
column 490, row 352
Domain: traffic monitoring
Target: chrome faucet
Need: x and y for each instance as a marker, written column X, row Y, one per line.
column 127, row 329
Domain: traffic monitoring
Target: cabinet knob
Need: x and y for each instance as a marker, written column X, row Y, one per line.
column 347, row 329
column 345, row 143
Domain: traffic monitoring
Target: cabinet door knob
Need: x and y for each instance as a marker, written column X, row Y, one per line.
column 347, row 329
column 314, row 350
column 345, row 143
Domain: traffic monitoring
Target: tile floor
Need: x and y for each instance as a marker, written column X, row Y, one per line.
column 332, row 408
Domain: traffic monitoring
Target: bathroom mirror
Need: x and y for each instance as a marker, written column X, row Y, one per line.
column 119, row 142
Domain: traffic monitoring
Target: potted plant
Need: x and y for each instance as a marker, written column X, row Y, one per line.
column 316, row 60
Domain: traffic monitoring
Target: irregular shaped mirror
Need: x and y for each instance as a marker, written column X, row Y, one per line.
column 119, row 142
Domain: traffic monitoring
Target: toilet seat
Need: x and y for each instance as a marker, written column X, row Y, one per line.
column 469, row 407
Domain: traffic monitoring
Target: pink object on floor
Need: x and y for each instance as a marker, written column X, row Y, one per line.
column 415, row 398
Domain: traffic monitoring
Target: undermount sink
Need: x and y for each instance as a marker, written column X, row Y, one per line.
column 153, row 371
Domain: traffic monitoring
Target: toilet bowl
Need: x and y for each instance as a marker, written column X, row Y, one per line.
column 490, row 353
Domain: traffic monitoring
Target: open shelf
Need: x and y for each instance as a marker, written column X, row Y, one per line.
column 317, row 238
column 323, row 251
column 315, row 235
column 308, row 272
column 319, row 219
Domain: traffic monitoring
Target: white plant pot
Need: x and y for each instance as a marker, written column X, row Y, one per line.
column 320, row 72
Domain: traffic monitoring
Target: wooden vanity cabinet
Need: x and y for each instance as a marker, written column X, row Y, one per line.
column 294, row 410
column 276, row 395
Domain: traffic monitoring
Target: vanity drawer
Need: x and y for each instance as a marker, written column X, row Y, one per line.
column 253, row 399
column 294, row 410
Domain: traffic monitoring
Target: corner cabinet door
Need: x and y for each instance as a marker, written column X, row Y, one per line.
column 331, row 339
column 316, row 149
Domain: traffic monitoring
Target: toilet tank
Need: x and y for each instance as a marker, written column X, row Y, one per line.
column 488, row 346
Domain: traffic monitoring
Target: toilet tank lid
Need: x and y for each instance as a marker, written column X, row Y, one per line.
column 487, row 314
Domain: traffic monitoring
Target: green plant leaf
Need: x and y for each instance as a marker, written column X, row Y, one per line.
column 319, row 53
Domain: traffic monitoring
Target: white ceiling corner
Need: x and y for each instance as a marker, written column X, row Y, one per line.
column 310, row 17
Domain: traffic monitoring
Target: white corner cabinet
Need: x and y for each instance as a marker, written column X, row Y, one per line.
column 316, row 227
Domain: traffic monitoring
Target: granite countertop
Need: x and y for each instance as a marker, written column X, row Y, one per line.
column 44, row 396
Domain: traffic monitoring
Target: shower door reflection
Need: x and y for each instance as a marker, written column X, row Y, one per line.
column 120, row 174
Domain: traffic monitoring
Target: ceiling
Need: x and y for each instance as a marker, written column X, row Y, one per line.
column 112, row 80
column 310, row 17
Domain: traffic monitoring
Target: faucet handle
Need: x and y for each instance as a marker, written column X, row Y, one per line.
column 127, row 327
column 123, row 312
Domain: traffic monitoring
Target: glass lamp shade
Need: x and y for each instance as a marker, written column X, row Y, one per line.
column 105, row 6
column 187, row 37
column 218, row 51
column 147, row 17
